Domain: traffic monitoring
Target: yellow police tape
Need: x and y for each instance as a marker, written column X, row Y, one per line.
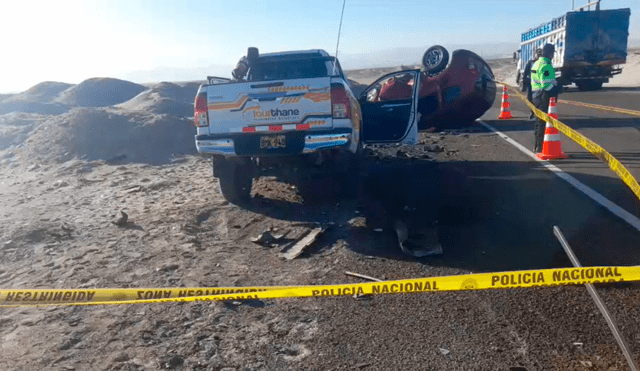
column 585, row 142
column 604, row 108
column 481, row 281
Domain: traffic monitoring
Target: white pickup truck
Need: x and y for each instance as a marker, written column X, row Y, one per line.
column 295, row 110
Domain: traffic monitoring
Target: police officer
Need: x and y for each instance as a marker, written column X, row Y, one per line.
column 526, row 78
column 543, row 87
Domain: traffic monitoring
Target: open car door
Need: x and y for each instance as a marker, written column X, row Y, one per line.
column 390, row 109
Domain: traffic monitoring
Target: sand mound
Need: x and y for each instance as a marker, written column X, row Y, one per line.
column 100, row 92
column 32, row 107
column 6, row 96
column 38, row 99
column 44, row 92
column 107, row 134
column 15, row 128
column 164, row 98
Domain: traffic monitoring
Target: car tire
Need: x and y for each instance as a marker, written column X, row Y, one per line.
column 595, row 85
column 582, row 86
column 236, row 179
column 435, row 59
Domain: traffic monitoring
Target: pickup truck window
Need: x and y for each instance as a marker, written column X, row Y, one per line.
column 289, row 69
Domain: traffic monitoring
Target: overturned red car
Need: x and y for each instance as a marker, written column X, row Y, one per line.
column 453, row 92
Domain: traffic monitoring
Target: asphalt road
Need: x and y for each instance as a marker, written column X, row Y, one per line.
column 497, row 209
column 604, row 238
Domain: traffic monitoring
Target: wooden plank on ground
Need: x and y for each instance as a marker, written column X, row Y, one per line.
column 299, row 247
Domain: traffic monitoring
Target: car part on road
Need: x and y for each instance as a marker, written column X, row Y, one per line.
column 426, row 245
column 435, row 59
column 268, row 239
column 624, row 346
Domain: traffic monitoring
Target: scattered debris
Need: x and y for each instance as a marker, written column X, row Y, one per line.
column 362, row 296
column 417, row 247
column 133, row 189
column 444, row 351
column 362, row 276
column 122, row 220
column 268, row 239
column 302, row 244
column 586, row 363
column 122, row 357
column 433, row 148
column 362, row 365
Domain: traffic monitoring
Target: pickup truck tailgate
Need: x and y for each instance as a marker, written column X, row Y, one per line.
column 270, row 106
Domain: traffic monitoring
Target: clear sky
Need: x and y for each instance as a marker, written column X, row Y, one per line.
column 146, row 41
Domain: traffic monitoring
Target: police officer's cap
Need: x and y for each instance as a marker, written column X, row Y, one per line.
column 548, row 48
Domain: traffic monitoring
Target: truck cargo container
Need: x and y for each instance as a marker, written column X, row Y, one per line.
column 591, row 46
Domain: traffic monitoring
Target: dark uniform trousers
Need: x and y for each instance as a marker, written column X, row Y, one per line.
column 540, row 99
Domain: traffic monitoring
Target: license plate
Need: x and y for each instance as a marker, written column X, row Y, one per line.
column 272, row 141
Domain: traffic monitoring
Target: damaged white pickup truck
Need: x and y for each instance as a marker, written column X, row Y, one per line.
column 294, row 110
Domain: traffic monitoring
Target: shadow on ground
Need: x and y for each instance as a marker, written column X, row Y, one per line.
column 490, row 216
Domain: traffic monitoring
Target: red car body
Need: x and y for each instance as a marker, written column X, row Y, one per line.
column 456, row 96
column 459, row 94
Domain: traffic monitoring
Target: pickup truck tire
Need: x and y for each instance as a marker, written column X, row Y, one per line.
column 236, row 179
column 435, row 59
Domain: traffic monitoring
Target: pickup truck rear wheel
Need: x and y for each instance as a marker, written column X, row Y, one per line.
column 236, row 179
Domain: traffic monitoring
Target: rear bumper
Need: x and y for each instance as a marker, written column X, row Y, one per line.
column 243, row 144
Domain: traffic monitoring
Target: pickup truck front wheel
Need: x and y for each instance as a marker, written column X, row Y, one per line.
column 236, row 178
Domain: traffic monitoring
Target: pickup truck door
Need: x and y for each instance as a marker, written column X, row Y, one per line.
column 390, row 109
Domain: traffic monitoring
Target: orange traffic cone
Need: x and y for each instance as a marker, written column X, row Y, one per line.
column 551, row 146
column 505, row 110
column 553, row 108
